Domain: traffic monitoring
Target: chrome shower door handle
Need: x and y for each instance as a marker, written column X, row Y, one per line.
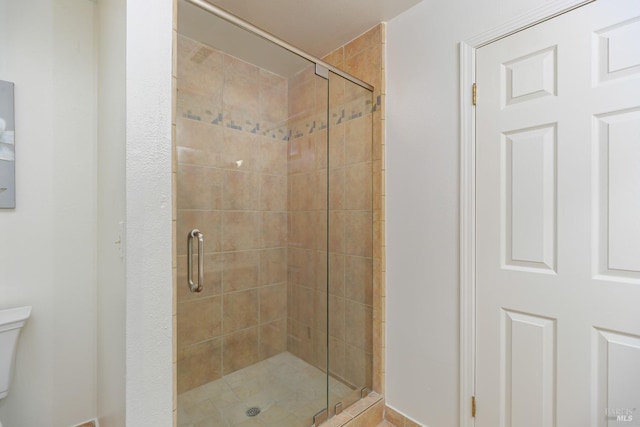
column 195, row 233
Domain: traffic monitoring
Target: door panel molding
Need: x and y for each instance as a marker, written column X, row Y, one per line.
column 468, row 187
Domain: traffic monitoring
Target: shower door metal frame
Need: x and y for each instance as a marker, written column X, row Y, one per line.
column 239, row 22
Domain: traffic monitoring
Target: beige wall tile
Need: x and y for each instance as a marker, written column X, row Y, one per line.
column 336, row 145
column 336, row 91
column 208, row 222
column 300, row 266
column 372, row 37
column 301, row 191
column 337, row 358
column 299, row 340
column 199, row 143
column 241, row 270
column 358, row 133
column 240, row 230
column 240, row 150
column 321, row 142
column 302, row 155
column 273, row 302
column 320, row 350
column 366, row 65
column 336, row 274
column 337, row 231
column 377, row 137
column 337, row 309
column 273, row 266
column 274, row 229
column 335, row 58
column 273, row 156
column 240, row 190
column 337, row 189
column 321, row 230
column 358, row 233
column 273, row 100
column 358, row 187
column 198, row 320
column 302, row 92
column 359, row 279
column 199, row 188
column 199, row 68
column 240, row 310
column 240, row 350
column 320, row 190
column 359, row 319
column 301, row 230
column 273, row 338
column 320, row 311
column 377, row 186
column 273, row 193
column 241, row 92
column 300, row 304
column 321, row 270
column 212, row 277
column 359, row 366
column 199, row 364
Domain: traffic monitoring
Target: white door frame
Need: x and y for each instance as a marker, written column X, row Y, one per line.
column 468, row 187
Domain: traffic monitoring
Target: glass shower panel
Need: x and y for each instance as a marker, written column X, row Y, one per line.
column 350, row 225
column 307, row 232
column 251, row 175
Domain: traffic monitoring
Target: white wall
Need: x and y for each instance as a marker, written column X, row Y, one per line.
column 149, row 295
column 111, row 212
column 422, row 201
column 48, row 243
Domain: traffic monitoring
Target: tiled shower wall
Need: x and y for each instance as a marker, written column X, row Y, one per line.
column 231, row 151
column 356, row 203
column 348, row 163
column 364, row 57
column 211, row 114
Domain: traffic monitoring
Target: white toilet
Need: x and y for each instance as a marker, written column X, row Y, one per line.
column 11, row 320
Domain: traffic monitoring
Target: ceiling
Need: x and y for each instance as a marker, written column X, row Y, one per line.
column 315, row 26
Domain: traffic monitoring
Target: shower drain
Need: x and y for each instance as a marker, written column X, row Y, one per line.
column 252, row 412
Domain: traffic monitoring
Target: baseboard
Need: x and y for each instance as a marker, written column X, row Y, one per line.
column 90, row 423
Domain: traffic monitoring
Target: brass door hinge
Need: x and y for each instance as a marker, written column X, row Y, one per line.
column 473, row 406
column 474, row 94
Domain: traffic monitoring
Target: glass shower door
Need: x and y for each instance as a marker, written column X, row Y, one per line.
column 251, row 161
column 274, row 168
column 307, row 237
column 350, row 249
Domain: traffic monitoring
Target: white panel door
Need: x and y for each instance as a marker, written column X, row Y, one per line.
column 558, row 222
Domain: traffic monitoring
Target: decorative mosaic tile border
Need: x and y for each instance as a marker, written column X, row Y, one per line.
column 296, row 129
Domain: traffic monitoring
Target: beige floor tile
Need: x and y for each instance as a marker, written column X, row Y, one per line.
column 287, row 389
column 199, row 411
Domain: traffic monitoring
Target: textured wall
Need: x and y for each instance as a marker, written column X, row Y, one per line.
column 149, row 389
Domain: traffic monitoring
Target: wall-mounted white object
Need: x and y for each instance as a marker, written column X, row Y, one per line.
column 7, row 147
column 11, row 321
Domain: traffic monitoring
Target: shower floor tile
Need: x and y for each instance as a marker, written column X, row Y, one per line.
column 288, row 391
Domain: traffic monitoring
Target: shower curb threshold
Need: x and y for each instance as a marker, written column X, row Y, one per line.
column 352, row 412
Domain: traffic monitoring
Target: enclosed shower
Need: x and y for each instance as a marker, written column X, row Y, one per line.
column 274, row 235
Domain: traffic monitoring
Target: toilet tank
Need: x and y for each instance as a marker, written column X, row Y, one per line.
column 11, row 320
